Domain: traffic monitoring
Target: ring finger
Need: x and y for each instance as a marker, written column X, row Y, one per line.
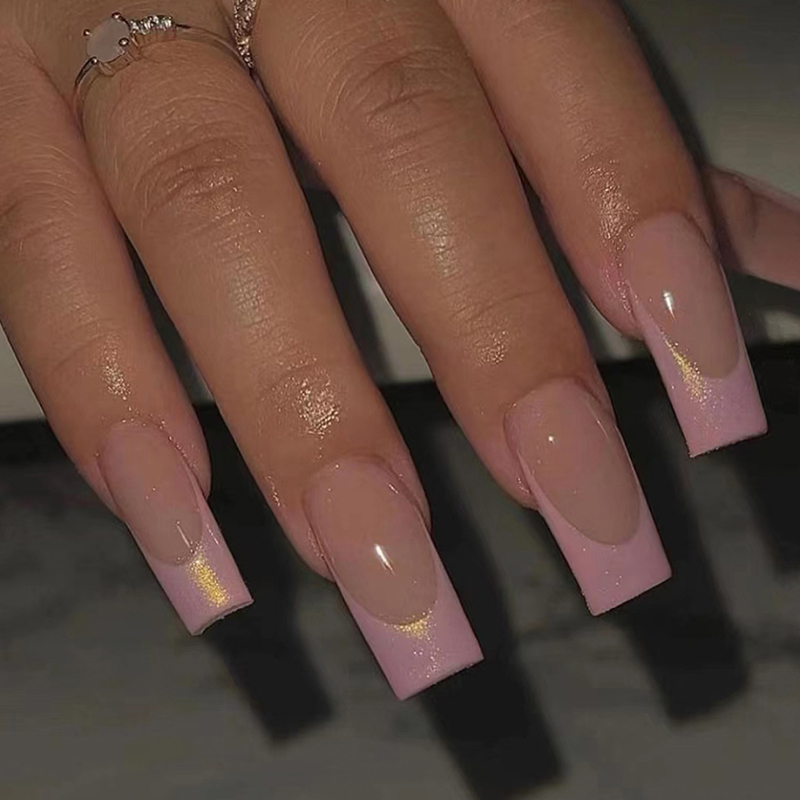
column 384, row 101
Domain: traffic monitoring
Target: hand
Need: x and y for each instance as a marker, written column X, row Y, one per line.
column 407, row 109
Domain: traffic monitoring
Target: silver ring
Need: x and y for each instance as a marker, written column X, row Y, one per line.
column 117, row 42
column 244, row 20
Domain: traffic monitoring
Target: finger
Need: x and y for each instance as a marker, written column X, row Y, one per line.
column 762, row 225
column 196, row 172
column 581, row 112
column 384, row 101
column 71, row 308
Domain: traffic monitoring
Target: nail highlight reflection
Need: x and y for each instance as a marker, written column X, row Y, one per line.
column 162, row 504
column 378, row 549
column 576, row 466
column 681, row 302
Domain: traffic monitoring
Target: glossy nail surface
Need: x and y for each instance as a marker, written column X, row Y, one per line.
column 578, row 470
column 379, row 551
column 161, row 502
column 682, row 304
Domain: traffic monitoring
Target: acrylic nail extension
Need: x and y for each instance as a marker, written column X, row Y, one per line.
column 681, row 302
column 378, row 549
column 578, row 470
column 161, row 502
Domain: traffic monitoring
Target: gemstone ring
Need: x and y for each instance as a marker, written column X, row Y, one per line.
column 117, row 42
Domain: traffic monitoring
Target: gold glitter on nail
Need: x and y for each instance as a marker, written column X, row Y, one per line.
column 692, row 377
column 421, row 629
column 427, row 650
column 207, row 581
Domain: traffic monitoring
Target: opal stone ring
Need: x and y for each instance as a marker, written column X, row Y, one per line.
column 117, row 42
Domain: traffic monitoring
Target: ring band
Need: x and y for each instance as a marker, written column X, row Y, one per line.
column 244, row 20
column 117, row 42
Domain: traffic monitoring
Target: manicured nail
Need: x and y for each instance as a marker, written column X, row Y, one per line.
column 379, row 551
column 682, row 304
column 577, row 468
column 161, row 502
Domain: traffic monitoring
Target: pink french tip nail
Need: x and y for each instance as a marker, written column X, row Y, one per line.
column 682, row 304
column 577, row 468
column 379, row 551
column 161, row 502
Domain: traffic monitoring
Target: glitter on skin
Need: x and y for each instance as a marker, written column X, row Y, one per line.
column 317, row 405
column 111, row 370
column 602, row 186
column 495, row 349
column 310, row 397
column 207, row 581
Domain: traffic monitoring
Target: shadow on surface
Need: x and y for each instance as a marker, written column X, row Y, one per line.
column 260, row 644
column 488, row 716
column 769, row 466
column 680, row 629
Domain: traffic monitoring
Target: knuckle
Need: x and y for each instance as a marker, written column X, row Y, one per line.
column 89, row 341
column 35, row 229
column 485, row 312
column 396, row 90
column 526, row 18
column 197, row 181
column 535, row 19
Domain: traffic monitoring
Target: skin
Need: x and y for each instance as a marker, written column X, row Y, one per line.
column 410, row 111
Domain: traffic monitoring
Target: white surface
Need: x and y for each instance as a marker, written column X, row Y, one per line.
column 738, row 66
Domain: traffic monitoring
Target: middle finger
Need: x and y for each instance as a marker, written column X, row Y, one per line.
column 194, row 168
column 384, row 101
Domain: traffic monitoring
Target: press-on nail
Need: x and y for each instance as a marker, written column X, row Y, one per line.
column 682, row 304
column 161, row 502
column 378, row 549
column 578, row 470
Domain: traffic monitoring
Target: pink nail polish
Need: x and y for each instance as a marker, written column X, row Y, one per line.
column 578, row 469
column 161, row 502
column 379, row 551
column 682, row 304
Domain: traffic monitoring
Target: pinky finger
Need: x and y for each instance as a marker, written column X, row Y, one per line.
column 762, row 226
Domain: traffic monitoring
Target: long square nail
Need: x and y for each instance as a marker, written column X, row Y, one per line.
column 578, row 470
column 161, row 502
column 377, row 546
column 682, row 304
